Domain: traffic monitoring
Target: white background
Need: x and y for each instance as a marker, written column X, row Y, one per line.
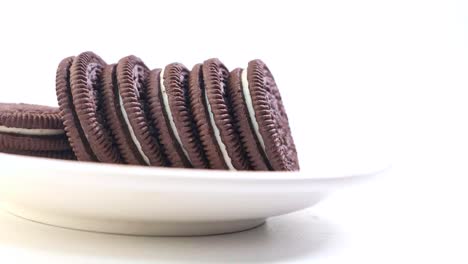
column 388, row 78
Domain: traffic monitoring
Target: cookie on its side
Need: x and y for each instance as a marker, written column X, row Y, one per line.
column 131, row 78
column 26, row 127
column 116, row 120
column 174, row 85
column 201, row 117
column 79, row 93
column 268, row 123
column 254, row 151
column 219, row 106
column 159, row 119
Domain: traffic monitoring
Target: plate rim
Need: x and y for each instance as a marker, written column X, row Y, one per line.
column 129, row 174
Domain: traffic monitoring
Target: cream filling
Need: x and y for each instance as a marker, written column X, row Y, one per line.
column 169, row 114
column 132, row 133
column 32, row 131
column 250, row 108
column 217, row 134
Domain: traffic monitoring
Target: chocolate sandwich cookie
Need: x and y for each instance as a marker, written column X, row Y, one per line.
column 174, row 85
column 219, row 106
column 29, row 127
column 79, row 93
column 115, row 117
column 64, row 155
column 159, row 119
column 130, row 83
column 267, row 135
column 256, row 155
column 201, row 117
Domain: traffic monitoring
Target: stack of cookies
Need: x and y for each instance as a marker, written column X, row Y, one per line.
column 33, row 130
column 206, row 117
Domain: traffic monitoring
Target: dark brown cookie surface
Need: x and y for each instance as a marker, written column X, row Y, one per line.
column 31, row 127
column 30, row 116
column 175, row 85
column 159, row 118
column 255, row 153
column 33, row 142
column 125, row 113
column 270, row 115
column 132, row 74
column 112, row 105
column 202, row 119
column 72, row 127
column 219, row 103
column 79, row 94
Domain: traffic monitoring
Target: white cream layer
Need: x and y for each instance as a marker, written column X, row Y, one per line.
column 250, row 108
column 32, row 131
column 132, row 133
column 169, row 114
column 217, row 134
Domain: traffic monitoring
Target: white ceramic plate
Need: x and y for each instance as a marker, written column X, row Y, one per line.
column 156, row 201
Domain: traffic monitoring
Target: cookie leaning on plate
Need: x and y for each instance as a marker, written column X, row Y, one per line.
column 130, row 84
column 26, row 127
column 201, row 118
column 262, row 120
column 79, row 94
column 219, row 107
column 158, row 116
column 117, row 118
column 174, row 86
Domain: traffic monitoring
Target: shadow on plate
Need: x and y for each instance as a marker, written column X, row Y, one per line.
column 281, row 238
